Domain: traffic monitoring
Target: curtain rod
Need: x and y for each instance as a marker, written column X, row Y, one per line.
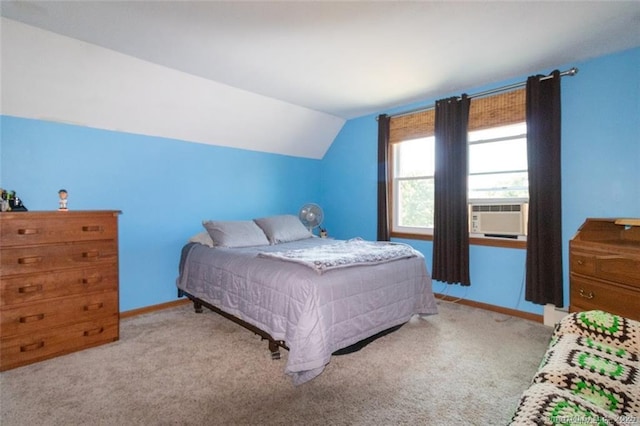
column 570, row 72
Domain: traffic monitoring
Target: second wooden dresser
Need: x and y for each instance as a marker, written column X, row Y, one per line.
column 58, row 283
column 604, row 258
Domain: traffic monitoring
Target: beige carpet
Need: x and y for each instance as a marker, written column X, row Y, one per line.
column 465, row 366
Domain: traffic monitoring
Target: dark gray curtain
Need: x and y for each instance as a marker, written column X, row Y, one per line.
column 544, row 239
column 383, row 202
column 451, row 223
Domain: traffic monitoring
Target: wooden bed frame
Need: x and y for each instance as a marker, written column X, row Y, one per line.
column 275, row 345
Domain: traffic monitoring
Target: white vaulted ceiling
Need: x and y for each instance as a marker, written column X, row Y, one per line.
column 280, row 76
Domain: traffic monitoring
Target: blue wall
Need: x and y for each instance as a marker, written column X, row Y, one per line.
column 601, row 173
column 164, row 188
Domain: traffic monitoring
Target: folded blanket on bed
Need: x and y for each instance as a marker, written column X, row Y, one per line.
column 344, row 253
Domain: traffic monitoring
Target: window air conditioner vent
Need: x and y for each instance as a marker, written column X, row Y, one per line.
column 496, row 207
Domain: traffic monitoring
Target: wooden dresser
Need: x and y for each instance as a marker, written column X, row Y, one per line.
column 58, row 283
column 604, row 259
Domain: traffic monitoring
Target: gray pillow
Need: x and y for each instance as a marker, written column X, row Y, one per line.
column 283, row 228
column 242, row 233
column 202, row 238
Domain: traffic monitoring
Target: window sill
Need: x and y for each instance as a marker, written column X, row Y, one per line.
column 498, row 242
column 478, row 241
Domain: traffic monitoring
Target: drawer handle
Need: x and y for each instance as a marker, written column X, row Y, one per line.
column 32, row 346
column 31, row 318
column 92, row 280
column 93, row 332
column 92, row 228
column 589, row 295
column 94, row 307
column 27, row 231
column 30, row 289
column 93, row 254
column 581, row 262
column 29, row 260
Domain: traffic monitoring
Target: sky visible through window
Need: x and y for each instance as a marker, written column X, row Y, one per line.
column 497, row 167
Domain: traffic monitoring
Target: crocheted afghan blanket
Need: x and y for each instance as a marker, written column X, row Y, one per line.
column 590, row 374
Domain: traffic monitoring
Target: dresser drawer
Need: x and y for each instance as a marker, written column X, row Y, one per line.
column 33, row 228
column 37, row 287
column 619, row 267
column 588, row 294
column 24, row 260
column 56, row 312
column 582, row 263
column 24, row 349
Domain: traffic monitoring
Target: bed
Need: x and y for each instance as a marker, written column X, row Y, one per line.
column 312, row 296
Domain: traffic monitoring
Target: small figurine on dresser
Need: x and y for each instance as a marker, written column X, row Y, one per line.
column 63, row 200
column 11, row 202
column 17, row 203
column 4, row 202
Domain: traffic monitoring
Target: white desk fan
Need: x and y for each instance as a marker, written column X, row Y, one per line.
column 311, row 216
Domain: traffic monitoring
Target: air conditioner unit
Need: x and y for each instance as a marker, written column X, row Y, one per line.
column 499, row 218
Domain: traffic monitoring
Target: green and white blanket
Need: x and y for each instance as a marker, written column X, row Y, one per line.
column 590, row 374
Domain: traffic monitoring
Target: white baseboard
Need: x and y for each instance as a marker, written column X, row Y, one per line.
column 553, row 315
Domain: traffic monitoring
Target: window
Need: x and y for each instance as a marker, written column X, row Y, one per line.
column 497, row 160
column 498, row 163
column 413, row 170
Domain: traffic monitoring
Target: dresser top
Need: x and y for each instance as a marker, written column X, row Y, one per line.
column 32, row 214
column 610, row 232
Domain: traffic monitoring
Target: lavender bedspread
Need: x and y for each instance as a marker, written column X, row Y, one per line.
column 315, row 314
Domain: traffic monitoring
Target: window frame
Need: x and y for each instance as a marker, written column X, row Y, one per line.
column 488, row 115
